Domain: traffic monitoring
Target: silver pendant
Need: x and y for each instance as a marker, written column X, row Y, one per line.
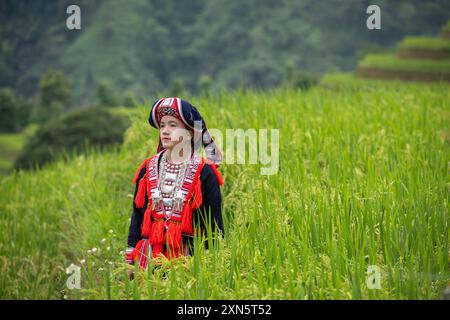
column 166, row 188
column 178, row 199
column 167, row 202
column 179, row 196
column 156, row 198
column 170, row 176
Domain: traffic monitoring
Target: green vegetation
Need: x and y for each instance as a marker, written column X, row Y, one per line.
column 55, row 91
column 14, row 111
column 362, row 181
column 10, row 146
column 390, row 62
column 446, row 28
column 135, row 47
column 72, row 133
column 423, row 59
column 425, row 43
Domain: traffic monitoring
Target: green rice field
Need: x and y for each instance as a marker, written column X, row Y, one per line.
column 390, row 62
column 425, row 43
column 362, row 181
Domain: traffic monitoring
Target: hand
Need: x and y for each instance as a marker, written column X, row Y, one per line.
column 130, row 274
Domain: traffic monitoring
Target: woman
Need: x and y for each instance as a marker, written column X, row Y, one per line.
column 177, row 188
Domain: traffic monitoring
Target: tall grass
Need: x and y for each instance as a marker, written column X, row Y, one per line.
column 363, row 180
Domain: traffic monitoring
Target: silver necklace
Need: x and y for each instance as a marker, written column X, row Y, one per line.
column 175, row 192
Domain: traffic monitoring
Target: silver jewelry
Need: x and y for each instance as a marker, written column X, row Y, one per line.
column 156, row 198
column 167, row 174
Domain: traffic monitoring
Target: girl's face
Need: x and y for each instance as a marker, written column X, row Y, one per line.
column 172, row 131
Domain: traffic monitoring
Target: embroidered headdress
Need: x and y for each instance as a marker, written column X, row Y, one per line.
column 189, row 115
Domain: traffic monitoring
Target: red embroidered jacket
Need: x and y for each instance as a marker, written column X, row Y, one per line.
column 211, row 181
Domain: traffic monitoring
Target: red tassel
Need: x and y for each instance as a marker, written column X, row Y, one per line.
column 172, row 253
column 157, row 249
column 147, row 223
column 217, row 173
column 137, row 249
column 186, row 219
column 140, row 195
column 157, row 232
column 173, row 235
column 198, row 197
column 173, row 240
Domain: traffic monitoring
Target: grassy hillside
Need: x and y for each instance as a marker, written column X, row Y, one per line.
column 10, row 146
column 424, row 59
column 362, row 182
column 425, row 43
column 390, row 62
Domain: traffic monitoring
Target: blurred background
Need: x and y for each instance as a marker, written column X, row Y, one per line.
column 130, row 51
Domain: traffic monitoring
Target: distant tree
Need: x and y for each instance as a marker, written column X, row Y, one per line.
column 129, row 101
column 105, row 96
column 298, row 79
column 55, row 91
column 289, row 72
column 304, row 80
column 72, row 133
column 177, row 88
column 205, row 83
column 14, row 111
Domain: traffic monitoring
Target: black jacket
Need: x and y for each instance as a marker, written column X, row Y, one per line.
column 212, row 200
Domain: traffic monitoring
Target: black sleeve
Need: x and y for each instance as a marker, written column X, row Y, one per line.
column 212, row 200
column 134, row 234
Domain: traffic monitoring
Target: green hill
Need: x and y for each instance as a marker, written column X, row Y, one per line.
column 416, row 59
column 144, row 46
column 362, row 181
column 424, row 47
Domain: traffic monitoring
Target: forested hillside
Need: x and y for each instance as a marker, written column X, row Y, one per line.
column 138, row 47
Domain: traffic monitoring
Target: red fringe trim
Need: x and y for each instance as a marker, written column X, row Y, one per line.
column 157, row 249
column 136, row 176
column 173, row 253
column 186, row 219
column 198, row 197
column 137, row 249
column 157, row 232
column 147, row 223
column 140, row 195
column 173, row 235
column 217, row 173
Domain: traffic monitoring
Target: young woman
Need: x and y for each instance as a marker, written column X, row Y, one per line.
column 177, row 190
